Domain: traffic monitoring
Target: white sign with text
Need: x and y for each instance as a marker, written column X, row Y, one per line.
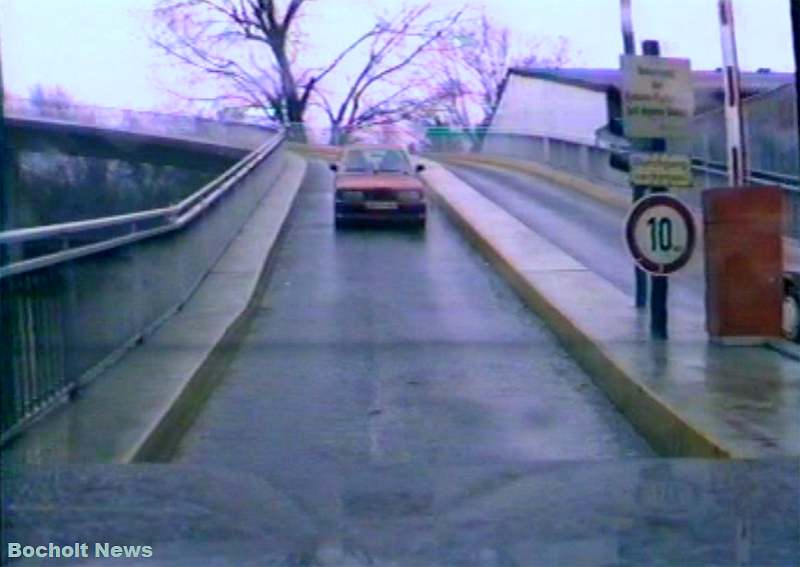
column 657, row 96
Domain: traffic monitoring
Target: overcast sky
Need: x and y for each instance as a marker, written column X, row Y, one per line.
column 99, row 50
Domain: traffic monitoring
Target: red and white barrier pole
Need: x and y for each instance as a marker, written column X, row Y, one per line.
column 734, row 123
column 628, row 40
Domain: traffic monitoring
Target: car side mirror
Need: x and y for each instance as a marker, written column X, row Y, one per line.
column 334, row 167
column 420, row 167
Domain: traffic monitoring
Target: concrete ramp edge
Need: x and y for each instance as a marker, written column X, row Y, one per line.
column 266, row 224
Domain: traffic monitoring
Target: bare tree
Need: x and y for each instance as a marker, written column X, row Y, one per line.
column 475, row 67
column 251, row 47
column 541, row 55
column 391, row 86
column 245, row 45
column 254, row 50
column 52, row 101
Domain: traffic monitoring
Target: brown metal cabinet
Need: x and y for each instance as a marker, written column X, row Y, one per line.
column 744, row 261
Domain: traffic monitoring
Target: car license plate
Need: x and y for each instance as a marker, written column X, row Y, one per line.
column 381, row 205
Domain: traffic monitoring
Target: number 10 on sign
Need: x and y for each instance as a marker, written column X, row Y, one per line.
column 660, row 234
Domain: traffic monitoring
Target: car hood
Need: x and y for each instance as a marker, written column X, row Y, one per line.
column 559, row 512
column 380, row 181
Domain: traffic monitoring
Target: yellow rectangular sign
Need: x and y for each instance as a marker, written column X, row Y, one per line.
column 661, row 170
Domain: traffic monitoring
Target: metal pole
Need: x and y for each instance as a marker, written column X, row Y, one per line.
column 737, row 151
column 629, row 43
column 659, row 285
column 796, row 35
column 628, row 40
column 5, row 171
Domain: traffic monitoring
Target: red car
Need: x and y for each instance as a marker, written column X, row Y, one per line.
column 378, row 183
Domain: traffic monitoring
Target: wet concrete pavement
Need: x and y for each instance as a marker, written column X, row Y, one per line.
column 394, row 348
column 400, row 355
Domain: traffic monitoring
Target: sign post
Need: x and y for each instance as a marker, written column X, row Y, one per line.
column 657, row 103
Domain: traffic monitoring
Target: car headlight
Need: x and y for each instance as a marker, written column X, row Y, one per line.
column 409, row 196
column 351, row 195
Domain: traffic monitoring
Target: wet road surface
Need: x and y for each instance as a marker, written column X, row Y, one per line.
column 590, row 231
column 382, row 360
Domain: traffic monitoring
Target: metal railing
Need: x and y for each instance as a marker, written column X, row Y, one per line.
column 166, row 219
column 74, row 296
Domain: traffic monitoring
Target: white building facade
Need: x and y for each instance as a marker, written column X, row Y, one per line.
column 547, row 107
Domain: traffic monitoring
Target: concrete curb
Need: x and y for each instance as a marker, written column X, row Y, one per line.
column 163, row 438
column 663, row 427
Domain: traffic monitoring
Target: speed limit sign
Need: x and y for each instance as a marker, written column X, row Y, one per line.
column 660, row 234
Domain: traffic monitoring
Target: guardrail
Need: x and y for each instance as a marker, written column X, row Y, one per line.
column 70, row 312
column 788, row 182
column 169, row 218
column 593, row 163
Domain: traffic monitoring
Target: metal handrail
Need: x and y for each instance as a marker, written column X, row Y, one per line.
column 175, row 216
column 785, row 181
column 789, row 182
column 20, row 235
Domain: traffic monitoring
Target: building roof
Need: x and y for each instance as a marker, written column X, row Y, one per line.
column 709, row 85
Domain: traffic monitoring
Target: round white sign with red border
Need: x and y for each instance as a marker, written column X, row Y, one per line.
column 660, row 234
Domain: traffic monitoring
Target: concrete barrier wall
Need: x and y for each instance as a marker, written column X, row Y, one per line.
column 222, row 132
column 66, row 322
column 592, row 163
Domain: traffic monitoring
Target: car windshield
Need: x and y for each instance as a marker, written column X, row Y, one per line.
column 376, row 160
